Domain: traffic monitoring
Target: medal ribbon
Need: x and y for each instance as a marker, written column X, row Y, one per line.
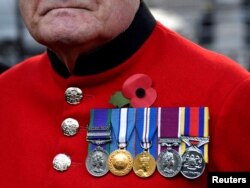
column 146, row 126
column 99, row 128
column 123, row 124
column 169, row 125
column 194, row 122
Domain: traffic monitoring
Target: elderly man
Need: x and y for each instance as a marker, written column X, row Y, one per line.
column 94, row 46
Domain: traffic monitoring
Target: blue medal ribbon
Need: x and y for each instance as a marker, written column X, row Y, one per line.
column 99, row 129
column 123, row 124
column 146, row 126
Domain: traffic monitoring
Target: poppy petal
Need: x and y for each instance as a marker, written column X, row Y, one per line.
column 134, row 82
column 146, row 101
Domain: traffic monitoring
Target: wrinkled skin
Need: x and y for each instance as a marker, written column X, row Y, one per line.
column 74, row 27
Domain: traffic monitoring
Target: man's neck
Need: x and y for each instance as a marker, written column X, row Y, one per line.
column 110, row 54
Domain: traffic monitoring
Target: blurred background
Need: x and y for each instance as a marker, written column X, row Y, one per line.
column 219, row 25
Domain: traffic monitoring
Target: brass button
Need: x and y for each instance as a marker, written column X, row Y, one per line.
column 61, row 162
column 70, row 127
column 73, row 95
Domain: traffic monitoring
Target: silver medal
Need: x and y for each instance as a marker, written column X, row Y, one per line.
column 193, row 164
column 169, row 163
column 96, row 162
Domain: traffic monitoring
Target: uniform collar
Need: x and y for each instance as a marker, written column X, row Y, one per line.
column 113, row 53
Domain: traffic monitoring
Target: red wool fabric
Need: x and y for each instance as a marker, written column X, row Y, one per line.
column 33, row 108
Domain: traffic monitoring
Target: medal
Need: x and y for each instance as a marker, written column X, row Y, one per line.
column 99, row 137
column 194, row 136
column 96, row 162
column 169, row 161
column 144, row 163
column 120, row 161
column 193, row 160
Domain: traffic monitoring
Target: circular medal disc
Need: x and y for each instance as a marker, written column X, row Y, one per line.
column 144, row 165
column 193, row 164
column 169, row 163
column 96, row 162
column 120, row 162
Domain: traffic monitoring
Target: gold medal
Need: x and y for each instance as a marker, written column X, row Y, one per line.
column 120, row 162
column 144, row 164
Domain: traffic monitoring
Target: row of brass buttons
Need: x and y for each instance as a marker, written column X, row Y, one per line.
column 70, row 127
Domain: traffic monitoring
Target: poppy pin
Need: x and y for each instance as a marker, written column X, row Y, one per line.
column 137, row 91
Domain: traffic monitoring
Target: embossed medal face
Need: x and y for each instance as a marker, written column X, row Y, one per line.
column 193, row 164
column 120, row 162
column 144, row 165
column 169, row 163
column 96, row 162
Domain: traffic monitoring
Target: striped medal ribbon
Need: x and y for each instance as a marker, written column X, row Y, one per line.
column 169, row 161
column 146, row 128
column 99, row 138
column 194, row 134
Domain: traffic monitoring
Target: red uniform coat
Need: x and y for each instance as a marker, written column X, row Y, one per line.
column 33, row 107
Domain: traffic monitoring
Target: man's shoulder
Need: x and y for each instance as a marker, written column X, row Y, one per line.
column 178, row 52
column 191, row 71
column 25, row 68
column 22, row 76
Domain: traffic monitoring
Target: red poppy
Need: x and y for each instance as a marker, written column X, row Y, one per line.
column 138, row 88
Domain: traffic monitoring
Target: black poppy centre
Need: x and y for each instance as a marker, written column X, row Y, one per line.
column 140, row 93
